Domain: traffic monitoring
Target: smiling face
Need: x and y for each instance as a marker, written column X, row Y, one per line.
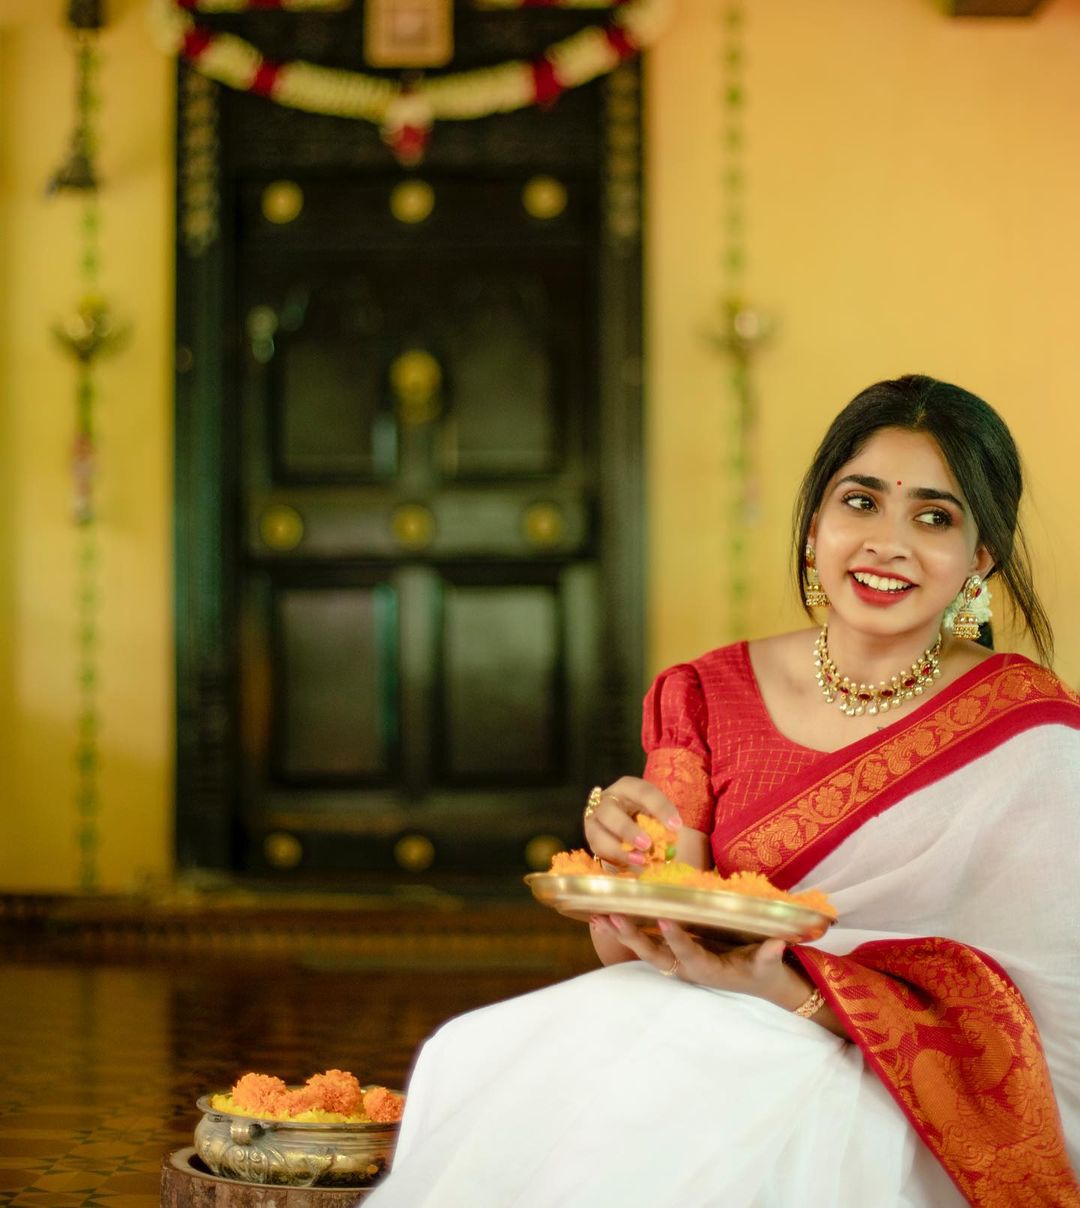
column 894, row 538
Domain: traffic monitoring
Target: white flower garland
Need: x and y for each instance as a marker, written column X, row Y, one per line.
column 325, row 6
column 241, row 6
column 516, row 84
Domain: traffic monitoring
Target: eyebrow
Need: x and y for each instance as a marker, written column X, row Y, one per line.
column 879, row 484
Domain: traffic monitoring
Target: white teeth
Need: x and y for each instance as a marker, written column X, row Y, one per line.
column 880, row 584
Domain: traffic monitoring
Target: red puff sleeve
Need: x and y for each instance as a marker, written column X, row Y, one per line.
column 673, row 733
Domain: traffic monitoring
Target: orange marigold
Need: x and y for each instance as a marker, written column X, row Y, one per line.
column 334, row 1091
column 257, row 1093
column 382, row 1105
column 663, row 840
column 577, row 863
column 753, row 884
column 331, row 1097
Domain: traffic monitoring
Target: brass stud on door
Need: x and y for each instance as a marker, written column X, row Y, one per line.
column 413, row 526
column 282, row 202
column 414, row 853
column 416, row 380
column 281, row 527
column 282, row 850
column 544, row 197
column 543, row 524
column 412, row 201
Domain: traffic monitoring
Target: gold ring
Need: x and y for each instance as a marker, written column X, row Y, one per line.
column 592, row 802
column 673, row 970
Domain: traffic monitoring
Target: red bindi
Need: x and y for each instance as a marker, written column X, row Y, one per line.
column 899, row 483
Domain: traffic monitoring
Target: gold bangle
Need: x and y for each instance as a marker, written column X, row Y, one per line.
column 592, row 801
column 812, row 1005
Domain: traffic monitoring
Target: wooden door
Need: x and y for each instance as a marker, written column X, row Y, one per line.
column 418, row 622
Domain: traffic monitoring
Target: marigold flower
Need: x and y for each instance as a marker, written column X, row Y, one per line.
column 661, row 869
column 753, row 884
column 382, row 1105
column 577, row 863
column 258, row 1093
column 663, row 840
column 328, row 1098
column 334, row 1091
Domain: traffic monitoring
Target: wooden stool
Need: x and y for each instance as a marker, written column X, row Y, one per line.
column 186, row 1183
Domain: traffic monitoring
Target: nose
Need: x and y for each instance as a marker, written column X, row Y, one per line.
column 886, row 537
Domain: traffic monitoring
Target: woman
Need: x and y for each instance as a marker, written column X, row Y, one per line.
column 923, row 1052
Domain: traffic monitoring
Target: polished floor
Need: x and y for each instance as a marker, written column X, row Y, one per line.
column 110, row 1031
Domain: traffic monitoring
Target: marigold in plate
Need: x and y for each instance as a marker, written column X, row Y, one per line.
column 752, row 884
column 661, row 869
column 663, row 840
column 576, row 863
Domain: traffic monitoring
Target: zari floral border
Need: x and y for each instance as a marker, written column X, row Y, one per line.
column 952, row 1039
column 791, row 839
column 683, row 778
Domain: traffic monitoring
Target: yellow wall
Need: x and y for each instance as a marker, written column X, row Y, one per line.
column 913, row 193
column 38, row 283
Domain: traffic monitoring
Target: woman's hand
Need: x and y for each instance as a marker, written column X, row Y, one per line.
column 756, row 969
column 612, row 823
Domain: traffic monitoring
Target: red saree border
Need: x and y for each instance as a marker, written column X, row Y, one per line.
column 998, row 699
column 951, row 1038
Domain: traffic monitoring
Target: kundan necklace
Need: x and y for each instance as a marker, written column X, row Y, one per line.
column 856, row 699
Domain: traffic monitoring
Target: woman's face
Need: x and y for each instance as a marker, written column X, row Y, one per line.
column 894, row 537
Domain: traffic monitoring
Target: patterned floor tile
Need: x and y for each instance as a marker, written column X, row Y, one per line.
column 14, row 1178
column 103, row 1062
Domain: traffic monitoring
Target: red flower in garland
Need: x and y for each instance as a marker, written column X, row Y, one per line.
column 407, row 128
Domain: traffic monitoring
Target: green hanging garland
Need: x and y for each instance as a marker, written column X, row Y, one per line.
column 86, row 333
column 87, row 762
column 742, row 328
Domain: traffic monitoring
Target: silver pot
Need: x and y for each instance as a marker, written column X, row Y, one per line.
column 292, row 1153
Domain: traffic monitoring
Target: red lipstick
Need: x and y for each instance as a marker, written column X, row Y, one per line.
column 874, row 597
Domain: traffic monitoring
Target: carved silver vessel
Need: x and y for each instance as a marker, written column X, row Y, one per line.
column 290, row 1152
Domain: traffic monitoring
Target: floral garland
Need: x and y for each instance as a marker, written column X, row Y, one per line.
column 245, row 6
column 406, row 112
column 323, row 6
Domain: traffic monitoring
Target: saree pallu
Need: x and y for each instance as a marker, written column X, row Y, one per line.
column 948, row 845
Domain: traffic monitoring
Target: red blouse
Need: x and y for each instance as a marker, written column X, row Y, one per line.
column 712, row 746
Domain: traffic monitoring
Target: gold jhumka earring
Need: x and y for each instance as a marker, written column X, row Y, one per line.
column 966, row 623
column 813, row 592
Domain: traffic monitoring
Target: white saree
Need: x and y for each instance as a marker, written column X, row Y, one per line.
column 625, row 1087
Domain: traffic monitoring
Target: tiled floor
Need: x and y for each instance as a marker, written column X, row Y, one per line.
column 101, row 1061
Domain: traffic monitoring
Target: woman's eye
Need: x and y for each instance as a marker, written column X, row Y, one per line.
column 857, row 500
column 935, row 518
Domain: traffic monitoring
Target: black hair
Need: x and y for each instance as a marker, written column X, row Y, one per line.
column 982, row 455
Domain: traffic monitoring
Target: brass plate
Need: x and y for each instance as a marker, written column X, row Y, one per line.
column 736, row 916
